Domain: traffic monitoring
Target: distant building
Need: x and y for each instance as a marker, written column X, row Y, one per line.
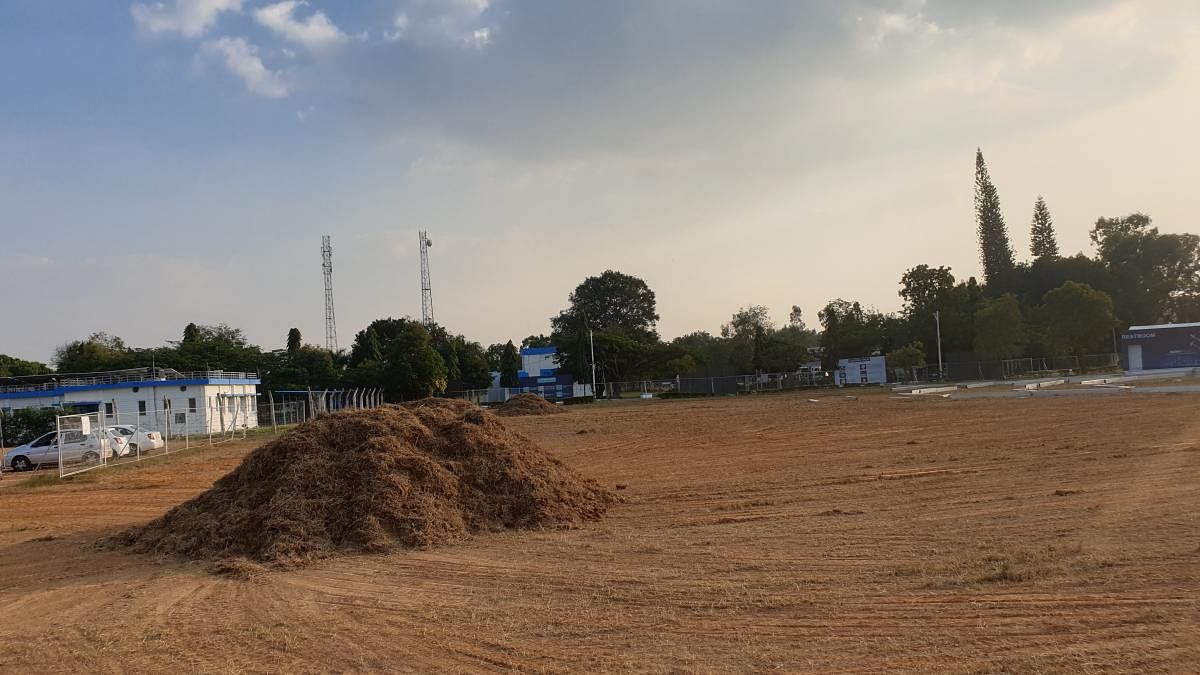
column 539, row 375
column 159, row 399
column 1160, row 347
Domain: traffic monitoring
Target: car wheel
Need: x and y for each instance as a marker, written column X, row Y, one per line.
column 91, row 456
column 20, row 463
column 133, row 447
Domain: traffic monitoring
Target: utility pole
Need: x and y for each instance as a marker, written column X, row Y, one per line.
column 937, row 316
column 592, row 349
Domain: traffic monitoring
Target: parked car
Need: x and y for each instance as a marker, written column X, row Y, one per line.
column 76, row 447
column 143, row 440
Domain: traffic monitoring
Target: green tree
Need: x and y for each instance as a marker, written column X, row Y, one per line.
column 191, row 333
column 473, row 364
column 620, row 311
column 493, row 354
column 510, row 364
column 25, row 424
column 850, row 330
column 1078, row 319
column 215, row 347
column 537, row 341
column 713, row 353
column 796, row 318
column 925, row 289
column 1000, row 329
column 995, row 251
column 1043, row 241
column 447, row 348
column 99, row 351
column 373, row 348
column 410, row 367
column 682, row 365
column 293, row 340
column 747, row 333
column 906, row 358
column 1156, row 277
column 10, row 366
column 307, row 366
column 614, row 301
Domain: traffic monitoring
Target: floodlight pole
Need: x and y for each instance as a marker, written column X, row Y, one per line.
column 937, row 317
column 592, row 349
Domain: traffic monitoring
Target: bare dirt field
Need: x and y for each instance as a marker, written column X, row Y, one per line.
column 758, row 533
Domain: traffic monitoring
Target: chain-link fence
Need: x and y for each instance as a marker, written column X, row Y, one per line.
column 807, row 378
column 1010, row 369
column 123, row 431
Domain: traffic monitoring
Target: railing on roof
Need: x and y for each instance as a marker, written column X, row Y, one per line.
column 131, row 375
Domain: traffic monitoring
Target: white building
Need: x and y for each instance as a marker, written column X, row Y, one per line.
column 158, row 399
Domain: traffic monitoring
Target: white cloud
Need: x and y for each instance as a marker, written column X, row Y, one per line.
column 241, row 59
column 315, row 31
column 190, row 18
column 440, row 22
column 884, row 25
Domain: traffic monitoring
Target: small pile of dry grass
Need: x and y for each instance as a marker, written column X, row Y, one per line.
column 417, row 475
column 528, row 404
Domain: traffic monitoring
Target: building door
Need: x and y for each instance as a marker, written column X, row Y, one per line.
column 1135, row 357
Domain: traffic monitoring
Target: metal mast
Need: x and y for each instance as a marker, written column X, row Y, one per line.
column 426, row 288
column 330, row 323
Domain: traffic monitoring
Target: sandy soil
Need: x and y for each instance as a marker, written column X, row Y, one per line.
column 759, row 533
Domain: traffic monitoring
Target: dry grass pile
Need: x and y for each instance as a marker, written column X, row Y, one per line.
column 417, row 475
column 528, row 404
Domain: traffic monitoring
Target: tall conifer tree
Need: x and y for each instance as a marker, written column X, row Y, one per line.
column 994, row 248
column 1043, row 242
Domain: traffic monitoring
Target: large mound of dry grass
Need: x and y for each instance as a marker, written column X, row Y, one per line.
column 425, row 473
column 528, row 404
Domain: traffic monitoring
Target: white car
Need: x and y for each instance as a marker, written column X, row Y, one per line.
column 76, row 447
column 138, row 440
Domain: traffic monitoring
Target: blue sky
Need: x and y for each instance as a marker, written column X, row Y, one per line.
column 169, row 162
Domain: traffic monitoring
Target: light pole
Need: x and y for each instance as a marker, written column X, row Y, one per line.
column 937, row 317
column 592, row 349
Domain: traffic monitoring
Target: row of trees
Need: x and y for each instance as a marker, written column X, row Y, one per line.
column 1048, row 305
column 403, row 357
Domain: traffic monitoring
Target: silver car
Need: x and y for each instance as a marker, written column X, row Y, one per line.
column 76, row 447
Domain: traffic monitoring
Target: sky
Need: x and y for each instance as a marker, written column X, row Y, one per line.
column 178, row 161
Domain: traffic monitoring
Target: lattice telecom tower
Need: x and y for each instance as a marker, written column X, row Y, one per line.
column 426, row 289
column 330, row 323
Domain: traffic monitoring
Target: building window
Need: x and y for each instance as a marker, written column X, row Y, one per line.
column 141, row 407
column 135, row 389
column 180, row 418
column 191, row 405
column 183, row 387
column 108, row 409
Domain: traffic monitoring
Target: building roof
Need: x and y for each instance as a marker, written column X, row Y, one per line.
column 538, row 351
column 1166, row 325
column 56, row 384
